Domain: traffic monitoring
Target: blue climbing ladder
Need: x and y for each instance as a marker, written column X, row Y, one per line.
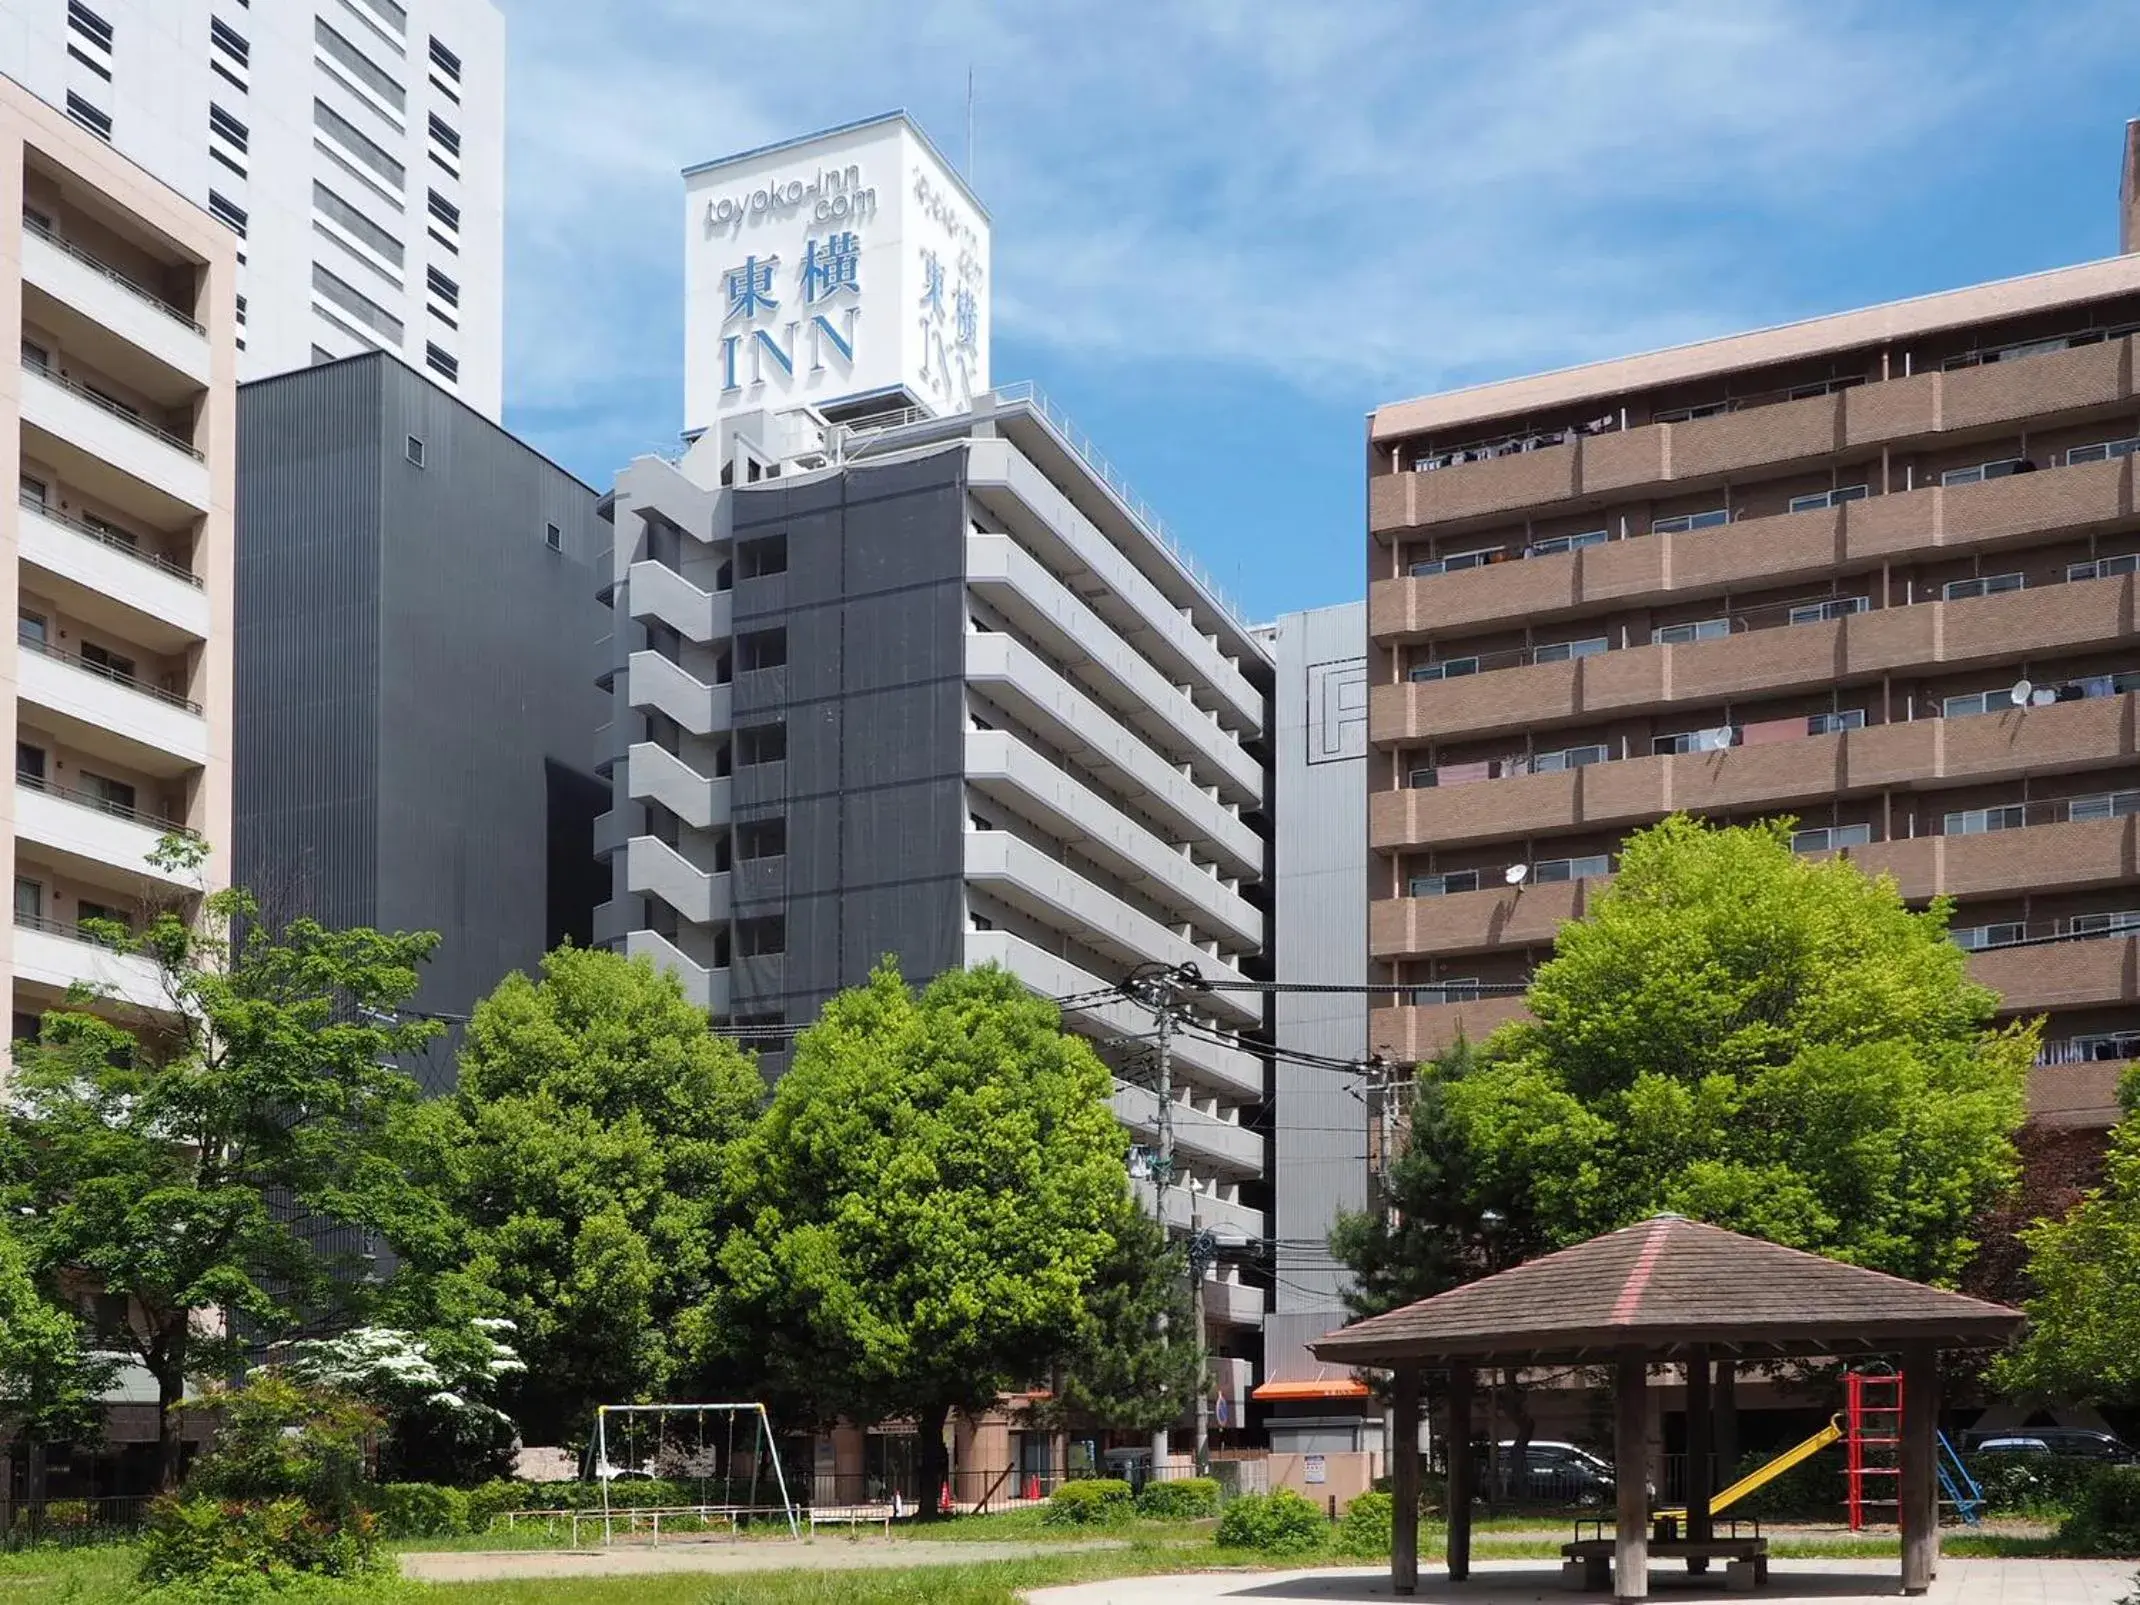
column 1956, row 1485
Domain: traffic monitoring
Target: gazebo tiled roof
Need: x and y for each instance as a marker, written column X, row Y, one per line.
column 1661, row 1286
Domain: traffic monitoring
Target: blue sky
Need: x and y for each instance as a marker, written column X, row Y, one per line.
column 1226, row 229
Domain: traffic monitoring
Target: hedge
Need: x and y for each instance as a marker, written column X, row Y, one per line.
column 2106, row 1515
column 1180, row 1499
column 1280, row 1523
column 1088, row 1502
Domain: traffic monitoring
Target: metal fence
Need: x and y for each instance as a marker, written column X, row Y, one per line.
column 72, row 1523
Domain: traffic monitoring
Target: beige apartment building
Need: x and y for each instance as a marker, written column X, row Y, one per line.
column 116, row 548
column 1875, row 571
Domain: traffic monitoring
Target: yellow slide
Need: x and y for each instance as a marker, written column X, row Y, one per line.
column 1769, row 1470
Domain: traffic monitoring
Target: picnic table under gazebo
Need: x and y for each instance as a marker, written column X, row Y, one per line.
column 1667, row 1291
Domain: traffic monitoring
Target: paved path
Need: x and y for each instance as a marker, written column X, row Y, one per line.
column 757, row 1555
column 1530, row 1582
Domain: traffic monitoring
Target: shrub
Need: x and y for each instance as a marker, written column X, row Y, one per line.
column 2106, row 1515
column 200, row 1540
column 1814, row 1488
column 1368, row 1525
column 1281, row 1523
column 2032, row 1484
column 1182, row 1499
column 420, row 1510
column 493, row 1499
column 1088, row 1502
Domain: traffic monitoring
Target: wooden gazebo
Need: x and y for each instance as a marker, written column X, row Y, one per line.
column 1666, row 1291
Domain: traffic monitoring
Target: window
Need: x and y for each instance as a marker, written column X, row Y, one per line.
column 1562, row 651
column 241, row 311
column 2104, row 805
column 1551, row 763
column 88, row 60
column 231, row 215
column 761, row 938
column 345, row 216
column 1427, row 997
column 1459, row 560
column 761, row 559
column 1827, row 838
column 1827, row 498
column 442, row 287
column 221, row 122
column 1553, row 544
column 2124, row 919
column 1982, row 585
column 1680, row 522
column 1456, row 880
column 112, row 796
column 553, row 537
column 115, row 664
column 112, row 533
column 445, row 60
column 1962, row 707
column 1824, row 387
column 764, row 838
column 2108, row 1045
column 97, row 122
column 2104, row 567
column 36, row 356
column 1681, row 634
column 2102, row 451
column 441, row 361
column 86, row 24
column 762, row 649
column 443, row 132
column 85, row 911
column 228, row 40
column 332, row 123
column 444, row 210
column 764, row 743
column 413, row 450
column 1982, row 821
column 1447, row 669
column 1977, row 474
column 1834, row 724
column 29, row 900
column 1572, row 869
column 1715, row 739
column 358, row 306
column 1833, row 607
column 35, row 491
column 30, row 628
column 30, row 763
column 1975, row 938
column 1685, row 415
column 358, row 65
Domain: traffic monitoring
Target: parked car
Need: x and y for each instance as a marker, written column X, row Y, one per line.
column 1554, row 1473
column 2012, row 1446
column 2078, row 1443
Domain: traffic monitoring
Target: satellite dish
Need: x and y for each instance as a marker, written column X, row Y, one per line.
column 2020, row 693
column 1516, row 874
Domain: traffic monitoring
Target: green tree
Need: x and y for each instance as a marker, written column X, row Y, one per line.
column 1135, row 1364
column 583, row 1150
column 49, row 1375
column 922, row 1206
column 209, row 1159
column 1774, row 1044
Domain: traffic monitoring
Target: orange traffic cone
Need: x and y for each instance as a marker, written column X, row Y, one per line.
column 1032, row 1487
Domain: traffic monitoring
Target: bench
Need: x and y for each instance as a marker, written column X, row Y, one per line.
column 1587, row 1562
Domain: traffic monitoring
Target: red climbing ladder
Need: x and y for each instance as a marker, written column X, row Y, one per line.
column 1872, row 1439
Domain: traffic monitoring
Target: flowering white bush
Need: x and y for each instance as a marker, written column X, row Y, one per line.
column 429, row 1387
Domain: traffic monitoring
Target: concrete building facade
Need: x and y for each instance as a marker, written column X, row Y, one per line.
column 355, row 148
column 417, row 647
column 118, row 550
column 1875, row 571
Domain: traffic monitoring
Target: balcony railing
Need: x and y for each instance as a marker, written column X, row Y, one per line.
column 31, row 225
column 115, row 542
column 66, row 928
column 102, row 671
column 100, row 804
column 1431, row 994
column 117, row 409
column 2103, row 1047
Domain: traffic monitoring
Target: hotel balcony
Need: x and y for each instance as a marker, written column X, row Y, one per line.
column 123, row 457
column 68, row 287
column 102, row 712
column 52, row 956
column 99, row 577
column 84, row 834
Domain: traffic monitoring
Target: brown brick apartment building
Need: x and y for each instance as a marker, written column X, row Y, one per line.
column 1803, row 571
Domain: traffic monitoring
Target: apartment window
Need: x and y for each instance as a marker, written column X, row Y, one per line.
column 2104, row 567
column 445, row 60
column 1828, row 498
column 2124, row 919
column 1982, row 585
column 345, row 216
column 1963, row 706
column 332, row 123
column 764, row 743
column 116, row 664
column 765, row 649
column 221, row 122
column 1457, row 880
column 1714, row 739
column 36, row 356
column 553, row 537
column 1572, row 869
column 112, row 796
column 2102, row 451
column 413, row 449
column 443, row 132
column 1832, row 607
column 1678, row 523
column 1554, row 544
column 1681, row 634
column 1982, row 821
column 30, row 628
column 1459, row 560
column 766, row 838
column 359, row 306
column 1975, row 938
column 442, row 287
column 1562, row 651
column 86, row 24
column 1834, row 724
column 227, row 212
column 761, row 938
column 228, row 40
column 241, row 311
column 2104, row 805
column 762, row 559
column 1447, row 669
column 29, row 900
column 444, row 210
column 30, row 763
column 1824, row 387
column 441, row 361
column 97, row 122
column 112, row 533
column 1827, row 838
column 1427, row 997
column 107, row 913
column 35, row 490
column 1549, row 763
column 1687, row 415
column 1980, row 472
column 359, row 66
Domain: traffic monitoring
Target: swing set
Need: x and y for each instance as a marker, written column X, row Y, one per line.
column 642, row 1434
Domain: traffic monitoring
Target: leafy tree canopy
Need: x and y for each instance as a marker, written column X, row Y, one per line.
column 1135, row 1365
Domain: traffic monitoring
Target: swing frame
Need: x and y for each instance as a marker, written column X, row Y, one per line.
column 764, row 1444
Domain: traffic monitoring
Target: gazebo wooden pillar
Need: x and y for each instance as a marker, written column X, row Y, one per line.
column 1462, row 1479
column 1631, row 1476
column 1404, row 1480
column 1918, row 1497
column 1701, row 1449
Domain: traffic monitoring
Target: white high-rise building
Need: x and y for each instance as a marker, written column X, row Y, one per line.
column 357, row 147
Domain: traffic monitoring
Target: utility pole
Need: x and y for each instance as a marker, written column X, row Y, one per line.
column 1160, row 996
